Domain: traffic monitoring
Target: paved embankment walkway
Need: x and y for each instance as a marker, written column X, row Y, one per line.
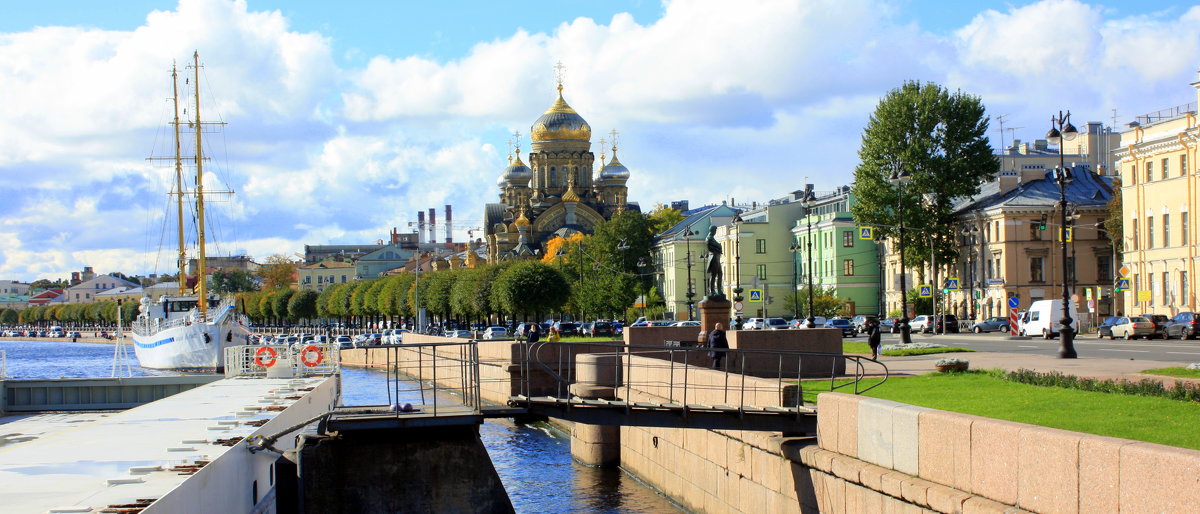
column 1090, row 367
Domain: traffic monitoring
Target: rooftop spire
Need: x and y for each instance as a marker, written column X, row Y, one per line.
column 559, row 74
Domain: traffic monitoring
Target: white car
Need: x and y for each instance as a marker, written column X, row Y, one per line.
column 692, row 323
column 920, row 323
column 495, row 332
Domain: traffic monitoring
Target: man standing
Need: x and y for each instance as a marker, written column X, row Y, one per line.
column 534, row 334
column 873, row 337
column 719, row 344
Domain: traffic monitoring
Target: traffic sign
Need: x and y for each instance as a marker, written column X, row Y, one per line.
column 1012, row 320
column 737, row 306
column 1122, row 284
column 1087, row 291
column 1145, row 295
column 1124, row 272
column 1075, row 298
column 867, row 233
column 952, row 284
column 925, row 291
column 756, row 295
column 1066, row 233
column 1013, row 302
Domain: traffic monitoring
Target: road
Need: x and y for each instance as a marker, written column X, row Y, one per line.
column 1173, row 350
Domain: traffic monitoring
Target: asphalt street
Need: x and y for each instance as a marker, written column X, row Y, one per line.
column 1173, row 350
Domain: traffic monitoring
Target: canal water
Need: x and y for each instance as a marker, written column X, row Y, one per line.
column 534, row 461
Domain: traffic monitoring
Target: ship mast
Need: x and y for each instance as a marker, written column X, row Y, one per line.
column 179, row 185
column 201, row 287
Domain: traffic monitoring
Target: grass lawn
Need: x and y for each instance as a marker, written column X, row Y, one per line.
column 864, row 348
column 1178, row 372
column 1155, row 420
column 585, row 339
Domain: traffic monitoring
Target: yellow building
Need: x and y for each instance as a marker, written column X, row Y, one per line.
column 1159, row 191
column 317, row 277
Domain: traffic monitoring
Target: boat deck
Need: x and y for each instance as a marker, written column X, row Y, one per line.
column 87, row 462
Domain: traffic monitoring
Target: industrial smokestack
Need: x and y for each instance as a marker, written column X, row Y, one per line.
column 420, row 227
column 449, row 226
column 432, row 225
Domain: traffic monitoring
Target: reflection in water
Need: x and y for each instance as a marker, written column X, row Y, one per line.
column 55, row 359
column 534, row 463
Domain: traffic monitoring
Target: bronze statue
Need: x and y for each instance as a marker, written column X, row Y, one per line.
column 715, row 274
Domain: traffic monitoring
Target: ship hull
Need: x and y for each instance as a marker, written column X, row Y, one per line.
column 194, row 347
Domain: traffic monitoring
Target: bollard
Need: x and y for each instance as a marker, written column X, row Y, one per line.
column 598, row 376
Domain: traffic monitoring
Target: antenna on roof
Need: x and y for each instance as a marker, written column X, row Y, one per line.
column 1000, row 121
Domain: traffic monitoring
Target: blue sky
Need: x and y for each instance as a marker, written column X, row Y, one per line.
column 344, row 120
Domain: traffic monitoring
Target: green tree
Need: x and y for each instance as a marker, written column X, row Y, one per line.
column 941, row 139
column 232, row 281
column 9, row 316
column 530, row 287
column 278, row 272
column 303, row 305
column 279, row 303
column 462, row 293
column 663, row 218
column 1114, row 224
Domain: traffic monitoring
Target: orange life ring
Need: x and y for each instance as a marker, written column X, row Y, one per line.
column 308, row 350
column 271, row 357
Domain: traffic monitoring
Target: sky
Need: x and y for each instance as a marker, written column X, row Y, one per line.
column 343, row 119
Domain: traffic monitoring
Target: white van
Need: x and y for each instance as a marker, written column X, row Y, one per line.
column 1043, row 318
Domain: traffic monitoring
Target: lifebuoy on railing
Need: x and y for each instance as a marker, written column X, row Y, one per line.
column 271, row 357
column 306, row 356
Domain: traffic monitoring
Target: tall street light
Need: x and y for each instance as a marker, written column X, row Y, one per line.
column 795, row 280
column 809, row 200
column 1060, row 130
column 691, row 293
column 899, row 177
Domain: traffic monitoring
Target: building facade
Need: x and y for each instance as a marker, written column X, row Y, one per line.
column 1159, row 190
column 86, row 291
column 678, row 255
column 317, row 277
column 841, row 259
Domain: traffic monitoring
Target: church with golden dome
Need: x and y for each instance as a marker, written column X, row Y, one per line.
column 559, row 192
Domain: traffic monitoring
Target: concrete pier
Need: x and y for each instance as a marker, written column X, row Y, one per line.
column 597, row 377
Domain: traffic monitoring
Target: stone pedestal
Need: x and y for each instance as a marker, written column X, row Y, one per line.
column 597, row 376
column 713, row 311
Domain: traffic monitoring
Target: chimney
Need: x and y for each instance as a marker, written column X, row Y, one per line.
column 1008, row 181
column 1031, row 172
column 449, row 226
column 420, row 227
column 432, row 225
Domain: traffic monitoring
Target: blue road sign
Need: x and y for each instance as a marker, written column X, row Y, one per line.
column 756, row 295
column 952, row 284
column 1013, row 302
column 926, row 291
column 1122, row 284
column 867, row 233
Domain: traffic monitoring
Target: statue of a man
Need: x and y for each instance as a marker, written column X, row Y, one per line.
column 715, row 274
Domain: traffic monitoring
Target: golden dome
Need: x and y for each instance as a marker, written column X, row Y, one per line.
column 570, row 196
column 560, row 122
column 522, row 221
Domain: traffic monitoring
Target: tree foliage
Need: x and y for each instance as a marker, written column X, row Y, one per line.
column 941, row 139
column 303, row 305
column 530, row 287
column 232, row 281
column 1114, row 224
column 277, row 272
column 663, row 218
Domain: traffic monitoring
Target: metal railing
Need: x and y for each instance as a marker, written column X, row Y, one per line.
column 282, row 360
column 148, row 326
column 434, row 378
column 684, row 375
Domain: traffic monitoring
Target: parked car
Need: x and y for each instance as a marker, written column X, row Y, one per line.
column 596, row 329
column 495, row 332
column 1185, row 325
column 686, row 323
column 1105, row 327
column 889, row 324
column 566, row 328
column 344, row 342
column 462, row 334
column 1132, row 327
column 1160, row 324
column 946, row 324
column 860, row 322
column 844, row 325
column 920, row 323
column 992, row 324
column 1044, row 316
column 818, row 321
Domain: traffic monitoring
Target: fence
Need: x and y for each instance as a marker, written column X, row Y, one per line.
column 440, row 378
column 282, row 360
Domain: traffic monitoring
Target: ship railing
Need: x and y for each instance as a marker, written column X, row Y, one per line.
column 149, row 326
column 282, row 361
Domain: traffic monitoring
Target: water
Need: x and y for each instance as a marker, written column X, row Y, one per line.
column 533, row 461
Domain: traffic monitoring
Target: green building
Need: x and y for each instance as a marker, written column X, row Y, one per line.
column 840, row 258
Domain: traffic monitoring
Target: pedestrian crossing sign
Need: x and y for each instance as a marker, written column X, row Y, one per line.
column 952, row 284
column 867, row 233
column 1066, row 235
column 925, row 291
column 1122, row 284
column 755, row 295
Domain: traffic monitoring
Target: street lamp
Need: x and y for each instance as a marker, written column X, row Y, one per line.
column 809, row 198
column 899, row 177
column 971, row 233
column 687, row 235
column 737, row 268
column 1060, row 130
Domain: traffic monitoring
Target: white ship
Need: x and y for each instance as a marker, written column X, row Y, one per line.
column 179, row 331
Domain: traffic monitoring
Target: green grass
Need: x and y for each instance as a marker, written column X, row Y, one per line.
column 1178, row 372
column 585, row 339
column 864, row 348
column 1140, row 418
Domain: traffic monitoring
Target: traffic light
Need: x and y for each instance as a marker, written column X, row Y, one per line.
column 1042, row 223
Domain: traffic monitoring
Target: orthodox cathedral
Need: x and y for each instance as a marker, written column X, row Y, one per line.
column 555, row 194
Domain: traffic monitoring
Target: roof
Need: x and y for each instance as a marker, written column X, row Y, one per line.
column 693, row 217
column 1087, row 189
column 327, row 264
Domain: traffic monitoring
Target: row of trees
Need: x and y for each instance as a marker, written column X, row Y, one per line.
column 70, row 313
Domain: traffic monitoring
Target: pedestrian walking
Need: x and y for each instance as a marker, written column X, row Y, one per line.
column 719, row 344
column 873, row 337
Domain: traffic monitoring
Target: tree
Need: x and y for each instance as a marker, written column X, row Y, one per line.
column 941, row 139
column 9, row 316
column 279, row 303
column 232, row 281
column 279, row 271
column 530, row 287
column 663, row 218
column 303, row 305
column 1114, row 224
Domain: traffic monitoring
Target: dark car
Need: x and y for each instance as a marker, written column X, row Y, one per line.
column 1105, row 328
column 1185, row 325
column 946, row 324
column 846, row 327
column 596, row 329
column 993, row 324
column 860, row 322
column 889, row 324
column 1160, row 322
column 566, row 328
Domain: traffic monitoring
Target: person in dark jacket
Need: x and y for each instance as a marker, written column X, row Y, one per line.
column 873, row 337
column 534, row 332
column 719, row 343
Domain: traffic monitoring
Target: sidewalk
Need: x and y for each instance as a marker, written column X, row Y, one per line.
column 1090, row 367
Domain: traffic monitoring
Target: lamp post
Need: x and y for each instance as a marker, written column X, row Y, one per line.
column 795, row 280
column 932, row 199
column 899, row 177
column 1062, row 130
column 809, row 197
column 971, row 234
column 687, row 238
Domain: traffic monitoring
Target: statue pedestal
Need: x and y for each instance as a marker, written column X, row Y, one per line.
column 713, row 311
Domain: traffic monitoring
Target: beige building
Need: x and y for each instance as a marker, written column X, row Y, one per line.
column 683, row 245
column 1159, row 188
column 86, row 292
column 316, row 277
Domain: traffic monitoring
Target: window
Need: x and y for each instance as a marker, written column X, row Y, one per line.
column 997, row 231
column 1035, row 270
column 307, row 279
column 1035, row 233
column 762, row 271
column 1183, row 224
column 1183, row 287
column 1149, row 232
column 1103, row 268
column 1134, row 242
column 848, row 267
column 1133, row 172
column 760, row 246
column 848, row 238
column 1183, row 164
column 989, row 269
column 1166, row 168
column 1166, row 230
column 1070, row 269
column 1157, row 287
column 1149, row 170
column 999, row 269
column 343, row 279
column 987, row 232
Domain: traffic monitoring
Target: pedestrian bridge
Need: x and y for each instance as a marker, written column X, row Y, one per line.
column 448, row 383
